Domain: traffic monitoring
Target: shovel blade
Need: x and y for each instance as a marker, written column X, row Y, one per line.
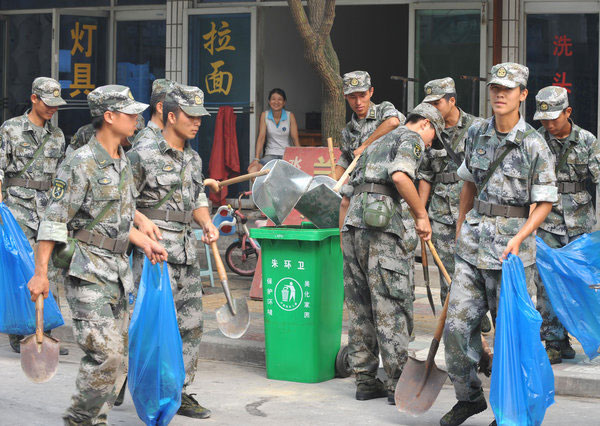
column 39, row 361
column 234, row 326
column 412, row 395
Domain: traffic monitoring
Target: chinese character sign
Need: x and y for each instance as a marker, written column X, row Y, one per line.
column 562, row 50
column 220, row 57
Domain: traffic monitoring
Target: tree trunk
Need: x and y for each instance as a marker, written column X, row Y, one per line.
column 319, row 52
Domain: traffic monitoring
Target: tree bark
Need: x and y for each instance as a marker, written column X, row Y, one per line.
column 314, row 30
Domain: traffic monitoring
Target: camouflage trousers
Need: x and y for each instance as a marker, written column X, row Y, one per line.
column 100, row 321
column 379, row 295
column 187, row 294
column 473, row 292
column 443, row 238
column 552, row 329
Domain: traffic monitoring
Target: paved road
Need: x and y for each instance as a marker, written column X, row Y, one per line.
column 242, row 395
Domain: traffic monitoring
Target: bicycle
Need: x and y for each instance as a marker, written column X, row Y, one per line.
column 241, row 255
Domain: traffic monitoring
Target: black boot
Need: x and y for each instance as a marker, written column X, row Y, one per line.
column 462, row 411
column 15, row 342
column 566, row 350
column 370, row 390
column 121, row 396
column 391, row 398
column 554, row 352
column 191, row 408
column 486, row 325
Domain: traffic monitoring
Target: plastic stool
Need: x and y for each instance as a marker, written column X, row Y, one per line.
column 206, row 272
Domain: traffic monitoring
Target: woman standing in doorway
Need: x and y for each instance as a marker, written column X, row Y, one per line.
column 277, row 131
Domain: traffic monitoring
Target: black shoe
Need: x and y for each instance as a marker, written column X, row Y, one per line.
column 191, row 408
column 15, row 342
column 566, row 350
column 494, row 423
column 486, row 325
column 63, row 350
column 462, row 411
column 554, row 352
column 370, row 390
column 391, row 399
column 121, row 396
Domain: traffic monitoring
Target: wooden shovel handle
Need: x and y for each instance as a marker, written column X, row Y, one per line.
column 243, row 178
column 331, row 156
column 218, row 261
column 39, row 319
column 349, row 170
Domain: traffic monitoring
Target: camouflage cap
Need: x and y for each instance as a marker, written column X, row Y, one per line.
column 431, row 113
column 48, row 90
column 550, row 102
column 509, row 74
column 356, row 81
column 161, row 86
column 189, row 98
column 436, row 89
column 113, row 97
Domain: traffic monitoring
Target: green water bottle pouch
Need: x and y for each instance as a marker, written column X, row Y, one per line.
column 376, row 213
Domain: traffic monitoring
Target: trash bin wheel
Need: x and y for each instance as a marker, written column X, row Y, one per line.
column 342, row 366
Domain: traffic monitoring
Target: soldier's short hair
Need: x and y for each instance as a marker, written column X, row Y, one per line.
column 169, row 106
column 449, row 96
column 97, row 122
column 155, row 98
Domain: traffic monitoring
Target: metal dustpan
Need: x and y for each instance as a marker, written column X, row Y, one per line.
column 276, row 193
column 39, row 352
column 320, row 203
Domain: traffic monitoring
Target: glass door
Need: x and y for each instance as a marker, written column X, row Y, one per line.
column 82, row 63
column 140, row 51
column 220, row 60
column 449, row 42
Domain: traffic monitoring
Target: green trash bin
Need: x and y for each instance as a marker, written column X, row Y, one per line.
column 303, row 296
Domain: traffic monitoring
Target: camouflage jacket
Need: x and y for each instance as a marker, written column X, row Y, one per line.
column 358, row 130
column 398, row 151
column 443, row 205
column 156, row 169
column 151, row 130
column 525, row 176
column 574, row 214
column 80, row 138
column 18, row 143
column 85, row 183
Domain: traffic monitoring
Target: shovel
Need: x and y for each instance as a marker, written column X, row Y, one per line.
column 215, row 185
column 39, row 352
column 233, row 319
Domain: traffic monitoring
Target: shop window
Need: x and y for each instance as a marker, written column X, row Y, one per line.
column 447, row 44
column 45, row 4
column 81, row 66
column 140, row 56
column 562, row 50
column 29, row 56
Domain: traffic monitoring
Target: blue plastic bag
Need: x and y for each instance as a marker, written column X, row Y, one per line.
column 522, row 386
column 17, row 311
column 156, row 371
column 567, row 273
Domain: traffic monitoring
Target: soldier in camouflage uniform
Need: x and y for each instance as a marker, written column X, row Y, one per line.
column 507, row 166
column 369, row 122
column 99, row 276
column 160, row 87
column 168, row 175
column 577, row 157
column 26, row 173
column 378, row 251
column 438, row 170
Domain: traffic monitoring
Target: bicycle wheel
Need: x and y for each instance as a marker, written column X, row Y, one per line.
column 242, row 262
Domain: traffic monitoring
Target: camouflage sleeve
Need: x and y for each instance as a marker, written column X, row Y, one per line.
column 408, row 157
column 67, row 195
column 594, row 158
column 200, row 195
column 137, row 168
column 542, row 176
column 4, row 153
column 346, row 157
column 425, row 170
column 463, row 171
column 386, row 110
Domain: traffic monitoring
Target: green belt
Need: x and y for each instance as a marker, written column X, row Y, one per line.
column 491, row 209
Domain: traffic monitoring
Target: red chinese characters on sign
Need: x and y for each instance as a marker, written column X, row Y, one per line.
column 560, row 79
column 562, row 46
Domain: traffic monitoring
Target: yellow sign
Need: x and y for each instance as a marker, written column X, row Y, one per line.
column 82, row 79
column 221, row 36
column 218, row 81
column 77, row 36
